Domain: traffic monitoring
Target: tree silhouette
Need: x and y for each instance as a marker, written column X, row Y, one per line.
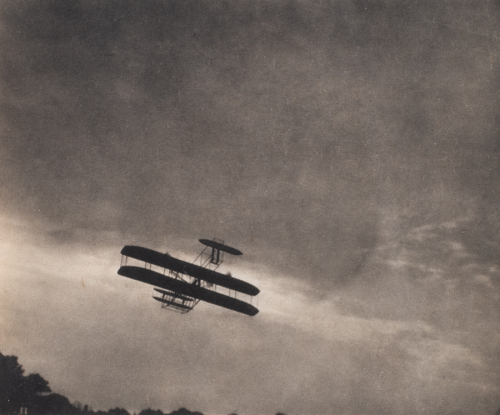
column 150, row 411
column 118, row 411
column 184, row 411
column 17, row 390
column 31, row 387
column 53, row 404
column 32, row 393
column 11, row 375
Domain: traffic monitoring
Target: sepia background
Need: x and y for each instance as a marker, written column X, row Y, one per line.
column 349, row 148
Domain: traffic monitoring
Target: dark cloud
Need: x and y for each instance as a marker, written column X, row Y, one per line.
column 319, row 138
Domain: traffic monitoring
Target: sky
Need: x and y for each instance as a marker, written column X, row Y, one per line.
column 351, row 151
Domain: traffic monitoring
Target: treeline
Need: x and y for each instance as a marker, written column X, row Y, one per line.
column 31, row 395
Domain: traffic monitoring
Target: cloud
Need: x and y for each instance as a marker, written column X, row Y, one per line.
column 70, row 317
column 348, row 148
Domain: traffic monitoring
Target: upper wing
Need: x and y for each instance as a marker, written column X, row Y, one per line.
column 195, row 271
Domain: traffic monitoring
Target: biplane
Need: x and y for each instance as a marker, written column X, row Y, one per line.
column 180, row 285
